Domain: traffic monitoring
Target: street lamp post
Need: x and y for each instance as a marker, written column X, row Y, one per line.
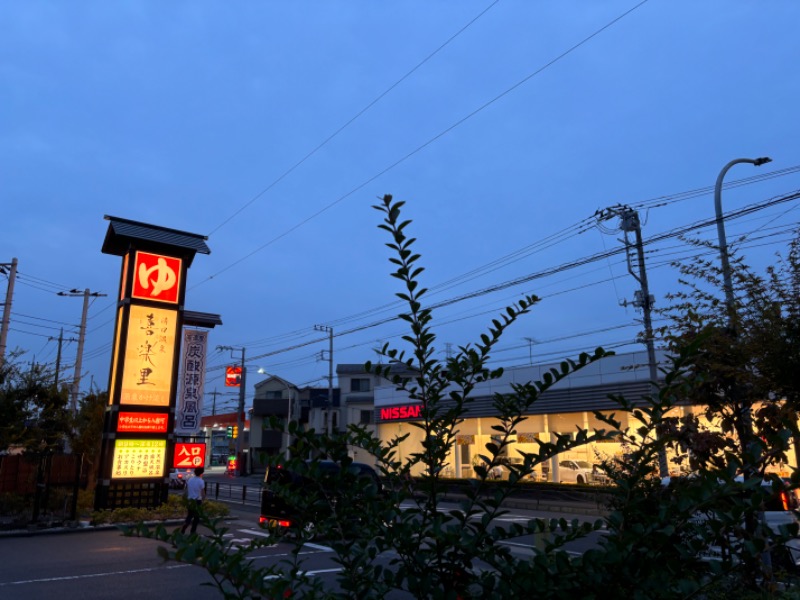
column 723, row 243
column 745, row 431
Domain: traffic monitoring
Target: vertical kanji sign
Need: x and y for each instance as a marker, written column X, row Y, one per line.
column 139, row 430
column 193, row 374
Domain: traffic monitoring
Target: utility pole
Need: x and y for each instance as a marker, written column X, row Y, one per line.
column 58, row 355
column 328, row 420
column 530, row 341
column 12, row 276
column 629, row 222
column 240, row 412
column 214, row 402
column 76, row 381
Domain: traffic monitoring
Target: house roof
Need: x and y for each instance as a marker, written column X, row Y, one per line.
column 271, row 378
column 121, row 232
column 395, row 368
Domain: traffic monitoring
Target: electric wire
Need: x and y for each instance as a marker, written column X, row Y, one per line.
column 355, row 117
column 564, row 266
column 425, row 144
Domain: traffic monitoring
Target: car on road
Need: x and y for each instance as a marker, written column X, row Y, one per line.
column 179, row 477
column 291, row 500
column 778, row 510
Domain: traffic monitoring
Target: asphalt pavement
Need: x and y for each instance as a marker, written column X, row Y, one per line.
column 573, row 502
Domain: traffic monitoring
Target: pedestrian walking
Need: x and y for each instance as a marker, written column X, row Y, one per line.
column 195, row 494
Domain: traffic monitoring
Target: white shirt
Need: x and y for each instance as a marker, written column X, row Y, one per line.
column 195, row 486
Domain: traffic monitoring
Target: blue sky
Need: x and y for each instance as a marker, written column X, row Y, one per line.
column 503, row 125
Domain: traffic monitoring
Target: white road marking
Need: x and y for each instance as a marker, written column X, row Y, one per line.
column 320, row 571
column 91, row 575
column 308, row 573
column 256, row 532
column 318, row 547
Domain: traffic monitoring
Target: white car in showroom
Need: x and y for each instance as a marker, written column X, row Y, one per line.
column 575, row 471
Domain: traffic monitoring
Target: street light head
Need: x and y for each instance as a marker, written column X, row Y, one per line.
column 762, row 161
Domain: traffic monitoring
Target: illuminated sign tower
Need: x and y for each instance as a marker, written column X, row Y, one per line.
column 138, row 438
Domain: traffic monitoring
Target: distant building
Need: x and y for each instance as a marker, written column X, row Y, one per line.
column 214, row 430
column 563, row 408
column 352, row 402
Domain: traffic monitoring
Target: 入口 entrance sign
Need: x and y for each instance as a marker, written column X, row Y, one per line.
column 189, row 456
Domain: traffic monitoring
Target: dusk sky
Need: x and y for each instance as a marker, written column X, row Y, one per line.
column 273, row 127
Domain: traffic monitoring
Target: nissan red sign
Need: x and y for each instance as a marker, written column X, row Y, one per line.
column 394, row 413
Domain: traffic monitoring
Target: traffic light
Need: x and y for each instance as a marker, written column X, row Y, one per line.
column 235, row 432
column 230, row 431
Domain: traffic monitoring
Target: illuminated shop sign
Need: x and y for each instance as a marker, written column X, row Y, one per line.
column 233, row 376
column 189, row 456
column 190, row 400
column 156, row 277
column 135, row 459
column 411, row 411
column 147, row 375
column 142, row 422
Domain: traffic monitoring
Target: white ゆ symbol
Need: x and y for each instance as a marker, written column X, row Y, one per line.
column 165, row 277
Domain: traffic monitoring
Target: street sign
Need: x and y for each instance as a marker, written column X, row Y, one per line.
column 233, row 376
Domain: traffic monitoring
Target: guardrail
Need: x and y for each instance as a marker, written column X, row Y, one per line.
column 232, row 492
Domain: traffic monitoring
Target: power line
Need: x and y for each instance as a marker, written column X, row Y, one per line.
column 430, row 141
column 355, row 117
column 13, row 313
column 582, row 261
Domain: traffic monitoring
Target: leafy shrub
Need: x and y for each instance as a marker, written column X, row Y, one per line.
column 173, row 508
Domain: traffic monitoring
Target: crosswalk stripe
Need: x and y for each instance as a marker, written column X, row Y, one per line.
column 255, row 532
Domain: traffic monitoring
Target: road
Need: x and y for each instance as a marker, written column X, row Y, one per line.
column 88, row 565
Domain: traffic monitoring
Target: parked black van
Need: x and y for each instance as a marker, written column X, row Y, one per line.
column 291, row 500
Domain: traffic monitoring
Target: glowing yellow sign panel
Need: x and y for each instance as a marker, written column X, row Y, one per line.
column 149, row 352
column 134, row 459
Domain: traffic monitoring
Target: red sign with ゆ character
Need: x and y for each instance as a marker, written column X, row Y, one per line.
column 189, row 456
column 156, row 277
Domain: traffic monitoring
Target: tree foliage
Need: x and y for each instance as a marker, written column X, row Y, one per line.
column 33, row 413
column 658, row 538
